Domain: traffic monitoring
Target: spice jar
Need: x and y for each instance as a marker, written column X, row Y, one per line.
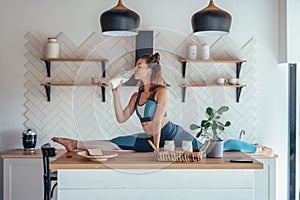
column 52, row 48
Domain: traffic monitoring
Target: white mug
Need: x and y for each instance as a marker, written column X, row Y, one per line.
column 233, row 81
column 187, row 146
column 169, row 145
column 221, row 81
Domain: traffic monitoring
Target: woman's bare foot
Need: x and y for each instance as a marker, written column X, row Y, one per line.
column 264, row 151
column 68, row 143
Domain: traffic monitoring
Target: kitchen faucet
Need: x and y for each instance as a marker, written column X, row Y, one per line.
column 242, row 133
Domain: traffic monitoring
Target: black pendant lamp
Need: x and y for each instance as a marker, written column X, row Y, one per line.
column 211, row 21
column 119, row 21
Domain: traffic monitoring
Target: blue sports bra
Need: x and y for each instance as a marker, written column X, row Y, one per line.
column 146, row 111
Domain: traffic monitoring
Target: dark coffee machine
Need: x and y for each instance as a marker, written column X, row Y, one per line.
column 29, row 140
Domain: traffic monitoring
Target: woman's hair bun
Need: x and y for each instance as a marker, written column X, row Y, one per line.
column 156, row 57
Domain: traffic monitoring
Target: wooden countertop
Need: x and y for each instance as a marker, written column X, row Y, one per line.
column 125, row 160
column 21, row 153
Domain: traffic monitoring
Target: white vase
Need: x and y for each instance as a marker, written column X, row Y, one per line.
column 52, row 48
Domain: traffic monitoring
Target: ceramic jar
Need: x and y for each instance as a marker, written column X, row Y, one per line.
column 192, row 52
column 52, row 48
column 205, row 52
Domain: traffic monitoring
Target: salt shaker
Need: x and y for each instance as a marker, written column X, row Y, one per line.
column 52, row 48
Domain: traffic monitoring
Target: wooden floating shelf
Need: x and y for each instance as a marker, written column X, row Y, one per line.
column 238, row 88
column 213, row 61
column 237, row 62
column 73, row 84
column 49, row 60
column 212, row 85
column 74, row 59
column 48, row 87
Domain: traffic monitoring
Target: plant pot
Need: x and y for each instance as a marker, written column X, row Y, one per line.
column 215, row 149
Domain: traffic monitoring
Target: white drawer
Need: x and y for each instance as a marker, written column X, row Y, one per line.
column 167, row 179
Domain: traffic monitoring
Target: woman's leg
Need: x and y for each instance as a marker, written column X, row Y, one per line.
column 137, row 142
column 94, row 144
column 182, row 134
column 237, row 145
column 68, row 143
column 71, row 144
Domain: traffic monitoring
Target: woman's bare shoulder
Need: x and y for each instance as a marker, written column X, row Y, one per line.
column 134, row 96
column 162, row 89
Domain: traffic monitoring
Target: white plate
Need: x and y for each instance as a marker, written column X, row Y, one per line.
column 104, row 157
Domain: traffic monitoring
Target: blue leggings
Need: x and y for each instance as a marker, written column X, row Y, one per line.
column 139, row 142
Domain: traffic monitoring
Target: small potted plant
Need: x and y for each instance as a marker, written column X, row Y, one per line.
column 211, row 128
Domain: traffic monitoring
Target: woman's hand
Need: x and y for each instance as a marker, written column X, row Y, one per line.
column 117, row 89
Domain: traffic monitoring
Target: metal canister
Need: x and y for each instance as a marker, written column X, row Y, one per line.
column 29, row 140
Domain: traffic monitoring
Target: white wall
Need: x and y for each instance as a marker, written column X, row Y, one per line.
column 78, row 19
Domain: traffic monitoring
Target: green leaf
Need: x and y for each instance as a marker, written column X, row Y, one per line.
column 227, row 123
column 199, row 134
column 222, row 109
column 194, row 127
column 206, row 125
column 203, row 122
column 218, row 117
column 209, row 111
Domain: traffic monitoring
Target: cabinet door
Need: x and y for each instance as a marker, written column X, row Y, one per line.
column 23, row 179
column 265, row 180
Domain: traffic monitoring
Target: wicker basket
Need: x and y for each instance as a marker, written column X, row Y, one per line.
column 179, row 156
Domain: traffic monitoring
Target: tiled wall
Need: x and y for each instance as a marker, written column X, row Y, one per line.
column 78, row 112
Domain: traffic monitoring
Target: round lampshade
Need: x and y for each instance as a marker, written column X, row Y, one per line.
column 119, row 21
column 211, row 21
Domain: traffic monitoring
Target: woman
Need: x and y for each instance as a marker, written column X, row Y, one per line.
column 150, row 104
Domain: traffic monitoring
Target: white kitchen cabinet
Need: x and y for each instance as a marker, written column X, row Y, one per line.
column 139, row 176
column 23, row 175
column 265, row 180
column 23, row 178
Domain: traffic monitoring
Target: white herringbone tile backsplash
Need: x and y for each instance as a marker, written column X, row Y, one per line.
column 78, row 112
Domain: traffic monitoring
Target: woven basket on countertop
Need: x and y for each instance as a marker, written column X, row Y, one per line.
column 179, row 156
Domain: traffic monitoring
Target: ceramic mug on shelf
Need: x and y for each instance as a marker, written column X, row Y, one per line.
column 233, row 81
column 221, row 81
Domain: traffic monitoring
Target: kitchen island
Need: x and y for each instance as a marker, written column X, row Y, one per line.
column 140, row 176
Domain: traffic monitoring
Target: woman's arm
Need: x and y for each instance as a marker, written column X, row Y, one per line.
column 123, row 115
column 162, row 98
